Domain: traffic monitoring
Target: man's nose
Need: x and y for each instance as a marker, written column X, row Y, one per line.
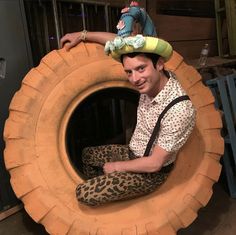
column 135, row 77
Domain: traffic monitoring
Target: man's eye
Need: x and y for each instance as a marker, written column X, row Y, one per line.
column 128, row 73
column 141, row 69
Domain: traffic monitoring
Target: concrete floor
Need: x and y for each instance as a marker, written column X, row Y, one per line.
column 217, row 218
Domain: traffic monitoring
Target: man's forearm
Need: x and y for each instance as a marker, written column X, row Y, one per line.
column 152, row 163
column 72, row 39
column 100, row 37
column 141, row 165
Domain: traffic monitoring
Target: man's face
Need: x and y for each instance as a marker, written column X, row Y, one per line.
column 143, row 75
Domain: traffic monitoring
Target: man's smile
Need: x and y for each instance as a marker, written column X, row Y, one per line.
column 140, row 85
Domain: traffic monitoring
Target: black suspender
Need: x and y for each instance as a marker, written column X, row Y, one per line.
column 157, row 126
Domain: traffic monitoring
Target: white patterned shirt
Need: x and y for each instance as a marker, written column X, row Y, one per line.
column 176, row 125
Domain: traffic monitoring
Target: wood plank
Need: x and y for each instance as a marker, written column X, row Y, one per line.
column 215, row 61
column 10, row 211
column 192, row 49
column 178, row 28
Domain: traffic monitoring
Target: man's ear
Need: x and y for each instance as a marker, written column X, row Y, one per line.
column 160, row 64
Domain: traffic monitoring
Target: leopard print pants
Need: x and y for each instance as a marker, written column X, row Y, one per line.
column 99, row 188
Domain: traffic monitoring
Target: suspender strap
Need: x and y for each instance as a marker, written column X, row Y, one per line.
column 157, row 126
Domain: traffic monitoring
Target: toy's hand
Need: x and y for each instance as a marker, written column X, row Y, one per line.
column 71, row 40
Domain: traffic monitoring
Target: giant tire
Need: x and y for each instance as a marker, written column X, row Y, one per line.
column 41, row 173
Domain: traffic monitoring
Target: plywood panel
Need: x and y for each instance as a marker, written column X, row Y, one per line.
column 179, row 28
column 192, row 49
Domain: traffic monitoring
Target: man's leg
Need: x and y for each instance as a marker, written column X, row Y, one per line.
column 95, row 157
column 118, row 186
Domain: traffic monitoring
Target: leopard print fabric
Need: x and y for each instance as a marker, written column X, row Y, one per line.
column 95, row 157
column 99, row 188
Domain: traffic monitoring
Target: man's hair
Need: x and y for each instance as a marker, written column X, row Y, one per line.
column 153, row 57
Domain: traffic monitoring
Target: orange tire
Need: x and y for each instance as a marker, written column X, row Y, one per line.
column 41, row 173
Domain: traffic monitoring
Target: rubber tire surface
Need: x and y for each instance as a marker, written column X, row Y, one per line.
column 41, row 173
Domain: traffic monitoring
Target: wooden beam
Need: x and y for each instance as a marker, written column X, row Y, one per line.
column 10, row 211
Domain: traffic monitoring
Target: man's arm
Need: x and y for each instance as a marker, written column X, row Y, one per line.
column 72, row 39
column 148, row 164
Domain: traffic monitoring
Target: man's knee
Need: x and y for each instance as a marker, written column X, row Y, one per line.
column 83, row 196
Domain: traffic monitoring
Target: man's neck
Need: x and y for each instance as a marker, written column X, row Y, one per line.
column 162, row 82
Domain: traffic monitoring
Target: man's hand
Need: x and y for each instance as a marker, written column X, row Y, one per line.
column 70, row 40
column 110, row 167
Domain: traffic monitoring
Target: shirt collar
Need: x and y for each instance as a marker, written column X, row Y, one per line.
column 165, row 92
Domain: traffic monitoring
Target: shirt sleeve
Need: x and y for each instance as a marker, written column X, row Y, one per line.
column 176, row 126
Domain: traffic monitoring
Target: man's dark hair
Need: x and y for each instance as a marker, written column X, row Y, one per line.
column 153, row 57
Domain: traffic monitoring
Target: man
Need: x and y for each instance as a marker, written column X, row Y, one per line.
column 136, row 171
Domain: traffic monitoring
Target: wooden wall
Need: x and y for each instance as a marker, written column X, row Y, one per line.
column 186, row 34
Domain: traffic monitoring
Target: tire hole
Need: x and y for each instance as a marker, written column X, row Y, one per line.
column 105, row 117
